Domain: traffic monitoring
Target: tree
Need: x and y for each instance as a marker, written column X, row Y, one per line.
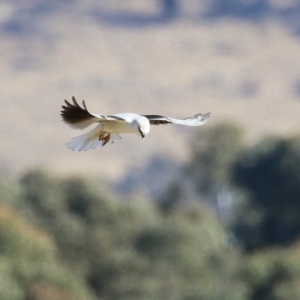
column 29, row 265
column 269, row 174
column 130, row 249
column 213, row 153
column 272, row 274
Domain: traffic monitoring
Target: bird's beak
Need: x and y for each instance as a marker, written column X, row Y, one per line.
column 141, row 133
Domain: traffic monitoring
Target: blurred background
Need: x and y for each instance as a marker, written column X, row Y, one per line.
column 206, row 213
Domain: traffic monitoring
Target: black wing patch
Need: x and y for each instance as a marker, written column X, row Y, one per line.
column 157, row 120
column 74, row 113
column 116, row 118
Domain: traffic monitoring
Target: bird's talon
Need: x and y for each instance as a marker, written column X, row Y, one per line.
column 104, row 138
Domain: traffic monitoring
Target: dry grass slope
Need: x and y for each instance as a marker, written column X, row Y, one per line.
column 243, row 71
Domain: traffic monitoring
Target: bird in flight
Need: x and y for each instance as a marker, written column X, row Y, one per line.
column 109, row 127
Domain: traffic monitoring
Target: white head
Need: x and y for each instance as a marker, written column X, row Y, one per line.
column 143, row 126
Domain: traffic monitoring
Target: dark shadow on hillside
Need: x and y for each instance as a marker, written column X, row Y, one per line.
column 255, row 11
column 28, row 20
column 168, row 11
column 154, row 178
column 238, row 9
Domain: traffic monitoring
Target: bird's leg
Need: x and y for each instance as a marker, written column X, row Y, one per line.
column 104, row 137
column 101, row 136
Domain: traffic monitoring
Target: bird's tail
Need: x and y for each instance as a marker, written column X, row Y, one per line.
column 90, row 140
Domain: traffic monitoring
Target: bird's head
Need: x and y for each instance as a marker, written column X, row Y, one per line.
column 143, row 127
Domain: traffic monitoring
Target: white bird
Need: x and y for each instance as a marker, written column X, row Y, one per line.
column 110, row 126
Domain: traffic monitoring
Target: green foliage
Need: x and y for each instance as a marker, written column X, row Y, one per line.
column 78, row 237
column 269, row 173
column 209, row 169
column 272, row 274
column 28, row 261
column 214, row 152
column 72, row 238
column 10, row 191
column 263, row 183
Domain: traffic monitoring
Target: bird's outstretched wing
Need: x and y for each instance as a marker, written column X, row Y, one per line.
column 79, row 117
column 196, row 120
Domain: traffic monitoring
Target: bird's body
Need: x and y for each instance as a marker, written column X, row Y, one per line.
column 110, row 126
column 131, row 124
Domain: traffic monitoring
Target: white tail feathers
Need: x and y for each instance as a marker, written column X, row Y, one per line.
column 90, row 140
